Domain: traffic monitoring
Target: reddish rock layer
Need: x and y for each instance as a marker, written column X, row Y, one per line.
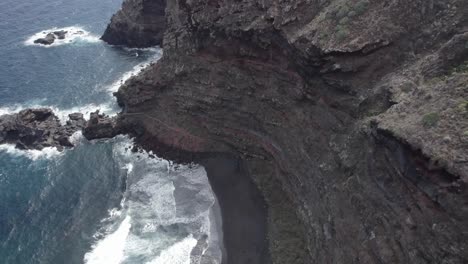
column 308, row 94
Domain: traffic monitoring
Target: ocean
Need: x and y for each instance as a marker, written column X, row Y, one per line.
column 98, row 202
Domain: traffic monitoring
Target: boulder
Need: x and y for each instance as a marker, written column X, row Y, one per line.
column 60, row 34
column 47, row 40
column 100, row 126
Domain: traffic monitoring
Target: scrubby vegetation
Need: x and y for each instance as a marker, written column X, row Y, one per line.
column 463, row 107
column 462, row 68
column 345, row 13
column 430, row 120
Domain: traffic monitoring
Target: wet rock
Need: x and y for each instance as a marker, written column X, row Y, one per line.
column 76, row 120
column 40, row 128
column 60, row 34
column 100, row 126
column 33, row 129
column 49, row 39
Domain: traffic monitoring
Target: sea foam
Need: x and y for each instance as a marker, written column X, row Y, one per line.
column 110, row 250
column 179, row 253
column 162, row 199
column 74, row 34
column 33, row 154
column 114, row 87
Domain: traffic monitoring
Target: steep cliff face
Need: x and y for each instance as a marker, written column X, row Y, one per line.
column 350, row 116
column 139, row 23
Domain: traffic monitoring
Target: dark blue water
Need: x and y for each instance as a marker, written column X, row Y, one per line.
column 98, row 202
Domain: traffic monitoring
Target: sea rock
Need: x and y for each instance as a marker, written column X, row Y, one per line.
column 49, row 39
column 39, row 128
column 60, row 34
column 100, row 126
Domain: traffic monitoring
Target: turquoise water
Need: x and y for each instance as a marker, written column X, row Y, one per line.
column 98, row 202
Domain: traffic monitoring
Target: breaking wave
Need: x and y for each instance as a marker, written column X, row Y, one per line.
column 164, row 214
column 157, row 53
column 32, row 154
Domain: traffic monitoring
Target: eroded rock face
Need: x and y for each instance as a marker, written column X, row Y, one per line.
column 330, row 105
column 140, row 23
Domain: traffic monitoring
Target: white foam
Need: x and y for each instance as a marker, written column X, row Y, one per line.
column 76, row 138
column 179, row 253
column 114, row 87
column 45, row 153
column 74, row 34
column 111, row 249
column 62, row 114
column 150, row 200
column 150, row 49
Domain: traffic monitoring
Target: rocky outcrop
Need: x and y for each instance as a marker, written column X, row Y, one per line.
column 140, row 23
column 40, row 128
column 350, row 117
column 37, row 129
column 100, row 126
column 50, row 38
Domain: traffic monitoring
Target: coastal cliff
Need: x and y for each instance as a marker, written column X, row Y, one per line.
column 137, row 24
column 351, row 117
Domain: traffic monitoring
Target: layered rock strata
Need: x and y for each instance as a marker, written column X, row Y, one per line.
column 350, row 117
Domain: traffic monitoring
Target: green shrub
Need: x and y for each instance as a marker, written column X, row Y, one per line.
column 361, row 7
column 342, row 12
column 463, row 106
column 341, row 32
column 344, row 21
column 462, row 68
column 430, row 120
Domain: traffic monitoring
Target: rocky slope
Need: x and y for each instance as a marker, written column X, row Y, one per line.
column 350, row 117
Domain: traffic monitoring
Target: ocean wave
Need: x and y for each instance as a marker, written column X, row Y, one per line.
column 74, row 34
column 111, row 249
column 179, row 253
column 169, row 206
column 45, row 153
column 114, row 87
